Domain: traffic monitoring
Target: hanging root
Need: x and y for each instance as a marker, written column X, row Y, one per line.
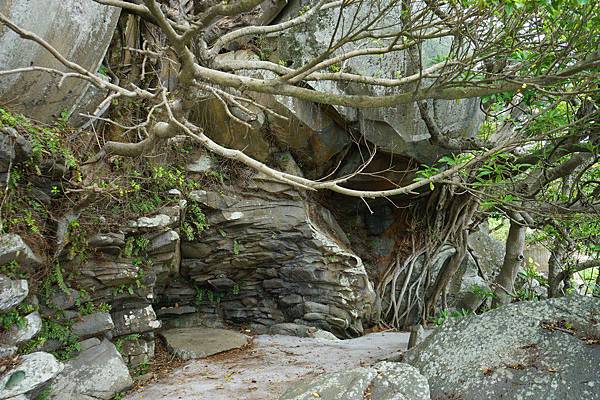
column 407, row 291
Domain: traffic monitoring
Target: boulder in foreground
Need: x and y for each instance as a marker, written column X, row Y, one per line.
column 530, row 350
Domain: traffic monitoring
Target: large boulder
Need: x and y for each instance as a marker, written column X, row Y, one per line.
column 33, row 371
column 399, row 129
column 529, row 350
column 383, row 381
column 81, row 32
column 98, row 372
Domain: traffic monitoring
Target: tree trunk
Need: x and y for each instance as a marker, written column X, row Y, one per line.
column 447, row 272
column 513, row 258
column 555, row 268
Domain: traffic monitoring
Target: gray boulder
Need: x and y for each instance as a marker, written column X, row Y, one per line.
column 98, row 372
column 12, row 292
column 82, row 33
column 135, row 320
column 291, row 329
column 527, row 350
column 93, row 324
column 383, row 381
column 16, row 335
column 13, row 248
column 34, row 370
column 399, row 129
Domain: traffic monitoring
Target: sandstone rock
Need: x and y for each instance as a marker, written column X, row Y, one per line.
column 135, row 320
column 16, row 335
column 309, row 130
column 7, row 351
column 156, row 222
column 34, row 370
column 202, row 342
column 93, row 324
column 13, row 248
column 384, row 381
column 96, row 373
column 12, row 292
column 514, row 352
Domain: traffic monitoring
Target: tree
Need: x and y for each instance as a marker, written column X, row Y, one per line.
column 531, row 62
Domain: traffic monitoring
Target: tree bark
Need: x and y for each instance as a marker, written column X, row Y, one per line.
column 555, row 268
column 513, row 258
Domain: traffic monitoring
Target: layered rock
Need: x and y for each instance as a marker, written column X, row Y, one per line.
column 270, row 257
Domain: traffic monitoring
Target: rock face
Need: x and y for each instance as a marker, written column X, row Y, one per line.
column 269, row 257
column 16, row 335
column 14, row 148
column 80, row 32
column 527, row 350
column 98, row 372
column 12, row 292
column 13, row 248
column 383, row 381
column 34, row 370
column 400, row 129
column 202, row 342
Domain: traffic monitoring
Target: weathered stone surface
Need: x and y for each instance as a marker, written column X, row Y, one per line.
column 79, row 32
column 13, row 248
column 135, row 320
column 514, row 353
column 137, row 350
column 16, row 335
column 14, row 148
column 96, row 373
column 344, row 385
column 398, row 381
column 384, row 381
column 313, row 134
column 399, row 129
column 299, row 330
column 284, row 261
column 202, row 342
column 12, row 292
column 34, row 370
column 64, row 301
column 7, row 351
column 93, row 324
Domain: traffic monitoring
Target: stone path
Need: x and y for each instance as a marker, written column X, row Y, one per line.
column 267, row 368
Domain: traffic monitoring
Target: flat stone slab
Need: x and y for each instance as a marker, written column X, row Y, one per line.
column 201, row 342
